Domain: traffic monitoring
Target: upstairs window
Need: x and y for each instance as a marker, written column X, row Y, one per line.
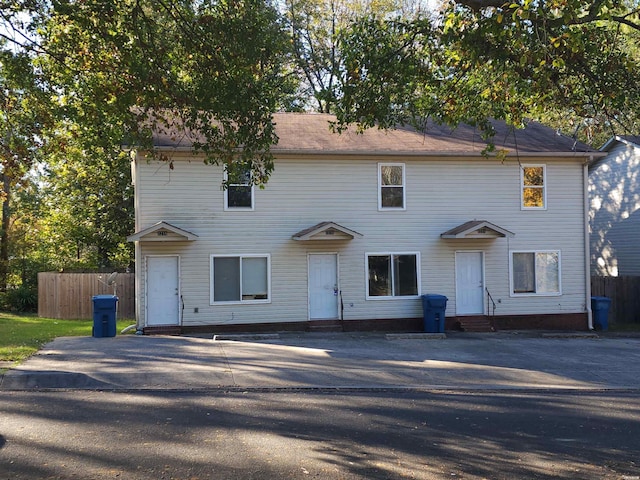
column 535, row 273
column 239, row 192
column 533, row 182
column 391, row 186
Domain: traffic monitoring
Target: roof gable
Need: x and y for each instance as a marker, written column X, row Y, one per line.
column 630, row 140
column 162, row 232
column 477, row 229
column 326, row 231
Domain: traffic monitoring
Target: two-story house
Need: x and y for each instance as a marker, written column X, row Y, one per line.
column 352, row 229
column 614, row 189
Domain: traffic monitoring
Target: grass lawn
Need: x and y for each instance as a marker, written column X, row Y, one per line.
column 23, row 335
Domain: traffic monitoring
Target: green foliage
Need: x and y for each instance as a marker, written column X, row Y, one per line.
column 568, row 60
column 88, row 210
column 123, row 68
column 315, row 27
column 80, row 79
column 24, row 115
column 391, row 73
column 23, row 335
column 19, row 299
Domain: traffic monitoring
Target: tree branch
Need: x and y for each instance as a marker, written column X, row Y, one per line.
column 625, row 21
column 478, row 5
column 593, row 15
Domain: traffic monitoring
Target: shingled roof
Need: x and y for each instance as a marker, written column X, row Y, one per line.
column 311, row 133
column 628, row 139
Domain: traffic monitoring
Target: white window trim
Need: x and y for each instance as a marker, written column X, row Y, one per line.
column 226, row 196
column 544, row 185
column 241, row 256
column 390, row 297
column 535, row 294
column 404, row 186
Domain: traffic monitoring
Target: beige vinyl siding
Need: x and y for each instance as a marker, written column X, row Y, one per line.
column 614, row 213
column 302, row 192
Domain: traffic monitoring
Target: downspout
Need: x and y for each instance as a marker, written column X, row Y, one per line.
column 138, row 248
column 138, row 252
column 587, row 263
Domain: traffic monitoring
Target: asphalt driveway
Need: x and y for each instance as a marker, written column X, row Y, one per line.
column 461, row 361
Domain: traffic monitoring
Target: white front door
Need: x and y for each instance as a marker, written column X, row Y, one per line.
column 469, row 283
column 323, row 286
column 163, row 291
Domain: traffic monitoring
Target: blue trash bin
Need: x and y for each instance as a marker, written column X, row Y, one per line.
column 104, row 315
column 434, row 307
column 600, row 309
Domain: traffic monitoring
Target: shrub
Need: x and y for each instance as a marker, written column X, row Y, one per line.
column 19, row 299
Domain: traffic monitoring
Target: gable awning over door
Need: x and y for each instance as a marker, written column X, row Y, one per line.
column 162, row 232
column 477, row 229
column 326, row 231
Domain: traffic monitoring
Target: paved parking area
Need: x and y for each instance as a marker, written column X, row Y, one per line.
column 503, row 360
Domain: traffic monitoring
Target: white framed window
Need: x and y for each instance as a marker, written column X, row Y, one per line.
column 391, row 275
column 391, row 186
column 535, row 273
column 533, row 191
column 240, row 279
column 239, row 192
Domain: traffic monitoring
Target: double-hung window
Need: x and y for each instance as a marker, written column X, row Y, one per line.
column 391, row 186
column 535, row 273
column 240, row 279
column 533, row 187
column 238, row 194
column 392, row 275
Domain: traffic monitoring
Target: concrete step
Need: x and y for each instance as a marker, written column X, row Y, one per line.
column 163, row 330
column 476, row 324
column 325, row 326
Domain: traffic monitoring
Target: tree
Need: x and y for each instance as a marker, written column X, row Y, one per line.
column 87, row 206
column 568, row 60
column 23, row 117
column 110, row 72
column 315, row 27
column 122, row 68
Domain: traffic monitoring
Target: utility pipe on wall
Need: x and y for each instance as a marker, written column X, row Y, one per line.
column 587, row 263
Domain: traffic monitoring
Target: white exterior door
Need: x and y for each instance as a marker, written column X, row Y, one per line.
column 469, row 283
column 163, row 291
column 323, row 286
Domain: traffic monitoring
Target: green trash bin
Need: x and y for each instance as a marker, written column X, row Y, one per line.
column 600, row 309
column 104, row 315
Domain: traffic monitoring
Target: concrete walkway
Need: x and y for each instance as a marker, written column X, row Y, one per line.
column 461, row 361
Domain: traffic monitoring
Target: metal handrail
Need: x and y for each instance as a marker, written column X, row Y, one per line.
column 490, row 313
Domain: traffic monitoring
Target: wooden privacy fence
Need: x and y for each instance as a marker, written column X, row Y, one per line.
column 624, row 293
column 70, row 295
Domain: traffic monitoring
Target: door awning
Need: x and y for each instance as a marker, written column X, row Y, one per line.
column 162, row 232
column 326, row 231
column 477, row 229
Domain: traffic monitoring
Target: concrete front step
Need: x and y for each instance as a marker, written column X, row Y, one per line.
column 476, row 324
column 325, row 326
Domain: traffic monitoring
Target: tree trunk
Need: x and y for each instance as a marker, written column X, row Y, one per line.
column 4, row 233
